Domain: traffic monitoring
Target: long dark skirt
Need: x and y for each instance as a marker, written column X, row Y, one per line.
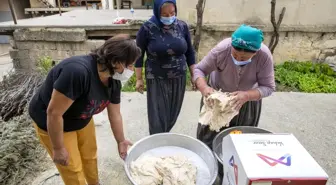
column 249, row 115
column 164, row 102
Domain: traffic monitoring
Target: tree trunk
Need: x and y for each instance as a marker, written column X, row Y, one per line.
column 275, row 36
column 198, row 30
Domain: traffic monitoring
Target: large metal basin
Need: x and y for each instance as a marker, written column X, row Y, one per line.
column 172, row 139
column 217, row 142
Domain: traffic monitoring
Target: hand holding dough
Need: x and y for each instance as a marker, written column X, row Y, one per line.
column 219, row 113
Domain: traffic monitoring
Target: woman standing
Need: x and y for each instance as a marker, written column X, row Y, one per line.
column 166, row 42
column 75, row 90
column 242, row 65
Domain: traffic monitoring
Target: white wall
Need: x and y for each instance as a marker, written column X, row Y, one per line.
column 299, row 12
column 52, row 3
column 4, row 5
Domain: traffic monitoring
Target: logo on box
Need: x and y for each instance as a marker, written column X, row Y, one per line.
column 235, row 168
column 272, row 162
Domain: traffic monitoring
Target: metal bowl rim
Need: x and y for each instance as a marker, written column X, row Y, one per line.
column 215, row 138
column 215, row 163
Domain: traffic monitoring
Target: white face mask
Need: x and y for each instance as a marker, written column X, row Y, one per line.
column 240, row 63
column 124, row 76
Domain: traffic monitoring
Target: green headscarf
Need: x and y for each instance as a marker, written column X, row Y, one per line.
column 247, row 37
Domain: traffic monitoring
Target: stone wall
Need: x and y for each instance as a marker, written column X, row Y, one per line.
column 301, row 46
column 307, row 31
column 28, row 45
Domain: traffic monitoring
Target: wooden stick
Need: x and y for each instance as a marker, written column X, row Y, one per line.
column 282, row 14
column 198, row 30
column 59, row 7
column 11, row 6
column 273, row 3
column 277, row 29
column 276, row 25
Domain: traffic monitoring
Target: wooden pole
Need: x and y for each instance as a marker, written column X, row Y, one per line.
column 276, row 25
column 198, row 30
column 59, row 7
column 11, row 6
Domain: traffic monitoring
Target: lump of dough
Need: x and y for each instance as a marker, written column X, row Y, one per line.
column 170, row 170
column 144, row 171
column 219, row 113
column 177, row 170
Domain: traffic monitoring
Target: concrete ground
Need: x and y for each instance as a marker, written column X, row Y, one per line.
column 310, row 117
column 78, row 18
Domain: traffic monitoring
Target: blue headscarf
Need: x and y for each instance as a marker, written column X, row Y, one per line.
column 157, row 11
column 247, row 37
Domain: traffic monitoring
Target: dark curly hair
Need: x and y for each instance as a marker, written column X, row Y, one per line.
column 118, row 49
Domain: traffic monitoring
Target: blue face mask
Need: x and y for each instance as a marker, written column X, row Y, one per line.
column 240, row 63
column 168, row 20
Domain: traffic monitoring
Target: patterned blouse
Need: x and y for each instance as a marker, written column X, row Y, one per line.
column 168, row 50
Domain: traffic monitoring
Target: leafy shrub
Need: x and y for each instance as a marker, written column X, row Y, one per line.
column 306, row 77
column 44, row 64
column 130, row 85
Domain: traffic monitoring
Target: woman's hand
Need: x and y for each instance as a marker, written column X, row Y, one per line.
column 61, row 156
column 140, row 86
column 58, row 105
column 193, row 84
column 206, row 91
column 122, row 148
column 241, row 98
column 115, row 118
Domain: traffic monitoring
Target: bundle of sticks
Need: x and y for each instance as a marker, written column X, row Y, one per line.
column 16, row 90
column 18, row 87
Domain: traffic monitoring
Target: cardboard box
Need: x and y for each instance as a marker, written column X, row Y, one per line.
column 269, row 159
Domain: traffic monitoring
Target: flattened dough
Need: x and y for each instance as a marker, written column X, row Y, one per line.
column 220, row 113
column 171, row 170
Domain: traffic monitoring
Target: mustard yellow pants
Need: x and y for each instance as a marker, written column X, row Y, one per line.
column 82, row 148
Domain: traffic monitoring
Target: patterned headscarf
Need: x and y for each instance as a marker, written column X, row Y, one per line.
column 247, row 37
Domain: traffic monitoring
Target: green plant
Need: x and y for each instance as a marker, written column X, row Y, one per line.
column 306, row 77
column 44, row 64
column 130, row 85
column 309, row 67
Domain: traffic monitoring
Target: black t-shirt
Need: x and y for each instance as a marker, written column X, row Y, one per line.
column 77, row 78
